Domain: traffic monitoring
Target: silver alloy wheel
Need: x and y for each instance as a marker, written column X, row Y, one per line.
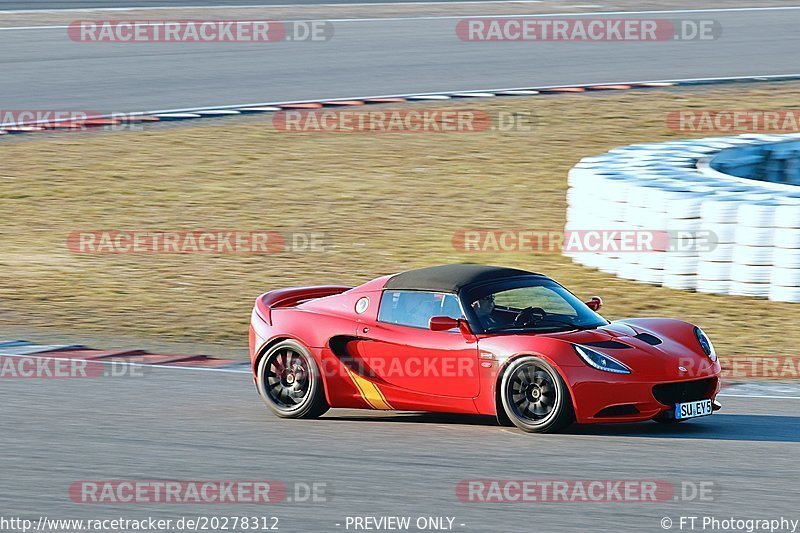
column 287, row 379
column 532, row 393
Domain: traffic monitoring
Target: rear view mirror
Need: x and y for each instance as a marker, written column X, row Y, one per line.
column 595, row 303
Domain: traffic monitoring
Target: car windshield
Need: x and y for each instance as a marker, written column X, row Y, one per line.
column 533, row 304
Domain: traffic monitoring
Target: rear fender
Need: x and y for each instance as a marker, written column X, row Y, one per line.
column 316, row 353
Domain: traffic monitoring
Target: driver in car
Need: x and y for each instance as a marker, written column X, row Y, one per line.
column 484, row 308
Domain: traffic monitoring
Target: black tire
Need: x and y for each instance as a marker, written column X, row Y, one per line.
column 289, row 382
column 534, row 396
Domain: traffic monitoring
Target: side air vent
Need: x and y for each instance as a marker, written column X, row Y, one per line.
column 609, row 345
column 649, row 339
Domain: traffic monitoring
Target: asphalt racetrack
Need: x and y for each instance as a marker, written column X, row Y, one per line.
column 204, row 425
column 197, row 425
column 44, row 69
column 128, row 4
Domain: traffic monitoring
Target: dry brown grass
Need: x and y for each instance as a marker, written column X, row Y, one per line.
column 388, row 202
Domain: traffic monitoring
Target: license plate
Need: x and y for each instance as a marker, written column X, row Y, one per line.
column 693, row 409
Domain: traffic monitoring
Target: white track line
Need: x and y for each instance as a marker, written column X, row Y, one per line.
column 544, row 87
column 454, row 17
column 764, row 77
column 254, row 6
column 366, row 4
column 764, row 396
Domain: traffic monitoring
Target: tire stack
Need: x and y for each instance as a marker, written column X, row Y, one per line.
column 683, row 224
column 753, row 249
column 727, row 235
column 785, row 278
column 714, row 268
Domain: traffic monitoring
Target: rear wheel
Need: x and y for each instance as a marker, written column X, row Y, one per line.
column 534, row 396
column 289, row 382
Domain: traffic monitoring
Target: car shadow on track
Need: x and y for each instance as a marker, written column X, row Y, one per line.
column 769, row 428
column 413, row 417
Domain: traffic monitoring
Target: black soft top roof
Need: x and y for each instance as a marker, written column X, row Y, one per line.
column 451, row 278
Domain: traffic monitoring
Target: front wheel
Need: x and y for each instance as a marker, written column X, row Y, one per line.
column 534, row 396
column 289, row 382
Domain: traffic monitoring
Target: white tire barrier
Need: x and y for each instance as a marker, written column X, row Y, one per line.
column 784, row 294
column 713, row 286
column 786, row 258
column 721, row 253
column 680, row 265
column 713, row 271
column 787, row 238
column 749, row 236
column 720, row 211
column 759, row 290
column 679, row 281
column 752, row 255
column 751, row 273
column 786, row 277
column 727, row 235
column 724, row 233
column 787, row 216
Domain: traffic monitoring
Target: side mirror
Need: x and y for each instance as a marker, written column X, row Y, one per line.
column 443, row 323
column 595, row 303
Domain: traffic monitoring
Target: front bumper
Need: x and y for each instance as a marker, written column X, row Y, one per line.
column 627, row 399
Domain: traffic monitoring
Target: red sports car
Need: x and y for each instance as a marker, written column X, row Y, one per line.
column 476, row 339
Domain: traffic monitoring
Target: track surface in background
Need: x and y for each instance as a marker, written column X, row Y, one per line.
column 116, row 4
column 45, row 70
column 181, row 424
column 567, row 4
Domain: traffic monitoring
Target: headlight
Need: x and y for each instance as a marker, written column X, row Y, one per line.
column 705, row 343
column 600, row 361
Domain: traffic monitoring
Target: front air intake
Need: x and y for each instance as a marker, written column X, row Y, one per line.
column 684, row 391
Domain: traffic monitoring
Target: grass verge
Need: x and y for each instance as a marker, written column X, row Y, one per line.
column 387, row 202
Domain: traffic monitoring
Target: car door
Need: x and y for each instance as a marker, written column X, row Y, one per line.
column 399, row 349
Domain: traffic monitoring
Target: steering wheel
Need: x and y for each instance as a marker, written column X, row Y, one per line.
column 529, row 314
